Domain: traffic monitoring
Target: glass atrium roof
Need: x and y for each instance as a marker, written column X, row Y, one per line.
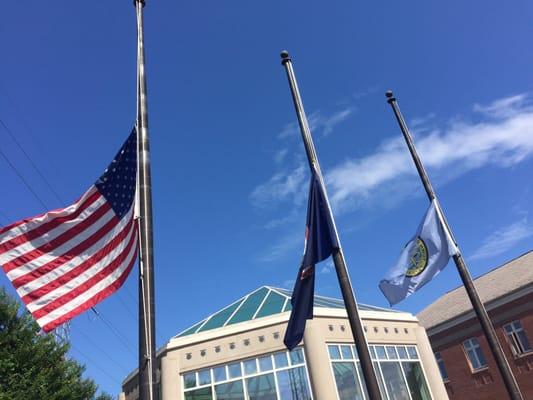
column 260, row 303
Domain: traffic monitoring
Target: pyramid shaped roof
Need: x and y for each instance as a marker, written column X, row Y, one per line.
column 260, row 303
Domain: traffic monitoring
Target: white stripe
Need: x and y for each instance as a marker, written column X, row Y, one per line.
column 73, row 263
column 85, row 296
column 37, row 221
column 28, row 246
column 61, row 250
column 75, row 283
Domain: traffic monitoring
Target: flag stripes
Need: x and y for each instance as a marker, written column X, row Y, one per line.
column 65, row 261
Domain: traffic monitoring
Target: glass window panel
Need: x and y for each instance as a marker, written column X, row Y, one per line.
column 250, row 367
column 220, row 318
column 189, row 380
column 272, row 305
column 391, row 353
column 230, row 391
column 413, row 354
column 524, row 341
column 373, row 352
column 416, row 381
column 380, row 379
column 402, row 352
column 293, row 384
column 297, row 356
column 204, row 377
column 249, row 307
column 199, row 394
column 363, row 384
column 347, row 352
column 280, row 359
column 380, row 351
column 392, row 375
column 261, row 387
column 480, row 356
column 219, row 373
column 508, row 328
column 442, row 367
column 334, row 353
column 347, row 381
column 265, row 363
column 356, row 354
column 234, row 370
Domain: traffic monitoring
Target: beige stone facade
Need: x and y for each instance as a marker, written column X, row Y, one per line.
column 264, row 335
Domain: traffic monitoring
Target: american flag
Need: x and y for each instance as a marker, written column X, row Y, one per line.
column 67, row 260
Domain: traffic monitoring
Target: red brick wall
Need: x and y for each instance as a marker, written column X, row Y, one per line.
column 485, row 384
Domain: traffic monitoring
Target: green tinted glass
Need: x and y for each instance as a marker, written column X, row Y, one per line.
column 272, row 305
column 249, row 307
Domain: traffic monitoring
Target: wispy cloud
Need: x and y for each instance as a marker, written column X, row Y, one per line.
column 319, row 123
column 284, row 245
column 282, row 186
column 504, row 239
column 327, row 267
column 505, row 139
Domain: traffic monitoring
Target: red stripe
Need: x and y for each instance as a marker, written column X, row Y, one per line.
column 44, row 228
column 92, row 301
column 80, row 269
column 103, row 274
column 58, row 241
column 69, row 255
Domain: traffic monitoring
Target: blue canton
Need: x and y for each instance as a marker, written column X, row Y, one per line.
column 117, row 184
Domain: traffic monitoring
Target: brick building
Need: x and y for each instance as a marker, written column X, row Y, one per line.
column 464, row 358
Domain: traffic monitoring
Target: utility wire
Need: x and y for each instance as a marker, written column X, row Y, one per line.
column 22, row 179
column 57, row 196
column 102, row 350
column 96, row 365
column 125, row 341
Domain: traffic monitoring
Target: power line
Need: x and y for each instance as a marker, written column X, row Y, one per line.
column 125, row 341
column 101, row 350
column 22, row 179
column 57, row 196
column 96, row 365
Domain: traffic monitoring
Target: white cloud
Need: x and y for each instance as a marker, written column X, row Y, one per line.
column 280, row 155
column 327, row 268
column 504, row 239
column 464, row 146
column 318, row 123
column 282, row 186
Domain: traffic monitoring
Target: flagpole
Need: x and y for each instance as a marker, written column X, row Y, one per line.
column 338, row 255
column 494, row 344
column 147, row 361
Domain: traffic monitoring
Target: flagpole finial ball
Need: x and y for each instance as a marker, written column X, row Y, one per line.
column 284, row 54
column 389, row 94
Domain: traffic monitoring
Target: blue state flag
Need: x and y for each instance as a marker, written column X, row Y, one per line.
column 320, row 241
column 426, row 254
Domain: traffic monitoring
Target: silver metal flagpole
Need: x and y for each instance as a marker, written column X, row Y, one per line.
column 338, row 256
column 147, row 355
column 482, row 315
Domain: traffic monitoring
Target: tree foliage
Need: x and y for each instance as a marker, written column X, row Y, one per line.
column 34, row 365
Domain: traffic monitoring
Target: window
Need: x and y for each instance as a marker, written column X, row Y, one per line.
column 442, row 367
column 278, row 376
column 517, row 338
column 474, row 354
column 398, row 370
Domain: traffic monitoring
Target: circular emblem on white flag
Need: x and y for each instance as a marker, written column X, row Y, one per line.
column 418, row 259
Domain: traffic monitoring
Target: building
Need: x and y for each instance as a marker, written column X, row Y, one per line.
column 238, row 353
column 464, row 358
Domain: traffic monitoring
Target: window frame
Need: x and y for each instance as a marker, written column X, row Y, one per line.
column 513, row 339
column 244, row 376
column 376, row 361
column 440, row 361
column 472, row 347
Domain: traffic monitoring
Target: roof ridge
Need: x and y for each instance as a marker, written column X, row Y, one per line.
column 490, row 270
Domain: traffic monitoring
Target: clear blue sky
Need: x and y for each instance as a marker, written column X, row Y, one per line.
column 229, row 172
